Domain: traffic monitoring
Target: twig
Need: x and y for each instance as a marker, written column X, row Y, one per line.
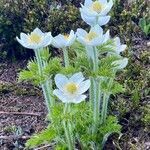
column 14, row 137
column 20, row 113
column 45, row 146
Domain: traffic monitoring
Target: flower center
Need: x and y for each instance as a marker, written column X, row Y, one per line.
column 97, row 6
column 34, row 38
column 71, row 88
column 66, row 36
column 90, row 36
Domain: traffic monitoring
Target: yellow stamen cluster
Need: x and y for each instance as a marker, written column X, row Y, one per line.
column 97, row 6
column 66, row 36
column 90, row 36
column 71, row 88
column 34, row 38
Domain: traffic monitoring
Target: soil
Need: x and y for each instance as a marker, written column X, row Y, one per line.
column 22, row 98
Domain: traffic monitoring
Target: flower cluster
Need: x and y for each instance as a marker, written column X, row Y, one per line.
column 72, row 87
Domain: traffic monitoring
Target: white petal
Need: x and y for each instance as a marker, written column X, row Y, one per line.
column 38, row 31
column 102, row 20
column 47, row 40
column 117, row 41
column 84, row 86
column 97, row 29
column 71, row 38
column 90, row 20
column 120, row 64
column 82, row 40
column 123, row 47
column 79, row 99
column 60, row 95
column 103, row 1
column 59, row 41
column 61, row 81
column 88, row 3
column 36, row 46
column 107, row 8
column 23, row 37
column 88, row 12
column 23, row 43
column 96, row 41
column 106, row 36
column 77, row 78
column 81, row 32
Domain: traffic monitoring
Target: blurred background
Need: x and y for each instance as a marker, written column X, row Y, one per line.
column 60, row 16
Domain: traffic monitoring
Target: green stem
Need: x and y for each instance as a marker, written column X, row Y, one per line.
column 97, row 101
column 43, row 85
column 66, row 57
column 48, row 86
column 104, row 107
column 106, row 96
column 95, row 61
column 91, row 90
column 95, row 87
column 68, row 129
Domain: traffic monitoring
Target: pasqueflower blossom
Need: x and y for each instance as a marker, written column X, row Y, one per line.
column 70, row 90
column 94, row 38
column 95, row 12
column 62, row 41
column 35, row 40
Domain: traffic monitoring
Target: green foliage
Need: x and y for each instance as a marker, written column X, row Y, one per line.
column 146, row 115
column 117, row 88
column 81, row 128
column 110, row 126
column 106, row 47
column 52, row 67
column 24, row 15
column 81, row 61
column 31, row 74
column 145, row 25
column 78, row 48
column 106, row 67
column 110, row 86
column 47, row 135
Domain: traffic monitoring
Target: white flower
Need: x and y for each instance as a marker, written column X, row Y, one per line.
column 118, row 46
column 94, row 38
column 95, row 12
column 36, row 40
column 120, row 64
column 61, row 41
column 70, row 90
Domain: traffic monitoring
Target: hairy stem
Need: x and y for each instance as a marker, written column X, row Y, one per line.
column 97, row 102
column 45, row 85
column 68, row 129
column 95, row 60
column 91, row 92
column 106, row 96
column 104, row 107
column 66, row 57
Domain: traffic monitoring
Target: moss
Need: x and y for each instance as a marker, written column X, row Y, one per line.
column 6, row 88
column 146, row 115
